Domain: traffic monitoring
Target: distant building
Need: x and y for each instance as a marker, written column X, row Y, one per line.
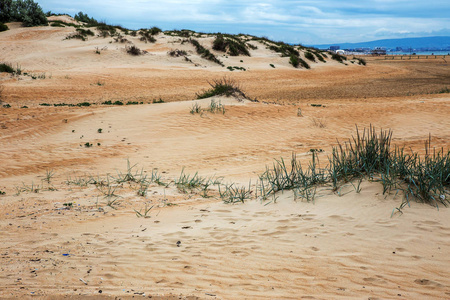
column 334, row 48
column 378, row 51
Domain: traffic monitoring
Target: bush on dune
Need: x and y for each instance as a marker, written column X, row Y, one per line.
column 26, row 11
column 230, row 44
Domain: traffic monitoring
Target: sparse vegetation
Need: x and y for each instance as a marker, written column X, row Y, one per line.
column 144, row 213
column 285, row 49
column 361, row 61
column 318, row 122
column 426, row 179
column 182, row 33
column 160, row 100
column 230, row 44
column 177, row 53
column 295, row 61
column 231, row 68
column 146, row 36
column 205, row 53
column 338, row 57
column 196, row 108
column 231, row 193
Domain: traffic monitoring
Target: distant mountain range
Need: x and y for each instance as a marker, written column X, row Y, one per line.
column 439, row 42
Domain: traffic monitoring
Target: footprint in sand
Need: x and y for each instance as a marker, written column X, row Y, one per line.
column 428, row 282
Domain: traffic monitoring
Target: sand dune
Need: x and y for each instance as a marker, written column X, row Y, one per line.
column 66, row 238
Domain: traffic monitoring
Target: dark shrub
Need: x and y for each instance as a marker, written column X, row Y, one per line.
column 310, row 56
column 304, row 63
column 230, row 44
column 154, row 30
column 6, row 68
column 3, row 27
column 294, row 61
column 133, row 50
column 85, row 32
column 177, row 53
column 147, row 36
column 338, row 57
column 284, row 49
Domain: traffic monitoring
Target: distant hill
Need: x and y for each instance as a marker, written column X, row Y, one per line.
column 421, row 42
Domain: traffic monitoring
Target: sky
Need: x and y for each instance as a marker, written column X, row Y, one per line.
column 292, row 21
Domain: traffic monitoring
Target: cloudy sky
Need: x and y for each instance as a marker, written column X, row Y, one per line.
column 293, row 21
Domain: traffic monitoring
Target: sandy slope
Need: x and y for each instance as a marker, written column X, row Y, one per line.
column 338, row 247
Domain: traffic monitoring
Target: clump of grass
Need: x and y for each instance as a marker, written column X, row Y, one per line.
column 144, row 213
column 216, row 106
column 131, row 175
column 231, row 194
column 186, row 181
column 367, row 155
column 223, row 87
column 196, row 108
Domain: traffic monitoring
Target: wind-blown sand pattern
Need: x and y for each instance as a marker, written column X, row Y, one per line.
column 344, row 245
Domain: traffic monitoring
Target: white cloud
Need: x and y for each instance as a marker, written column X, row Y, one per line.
column 304, row 21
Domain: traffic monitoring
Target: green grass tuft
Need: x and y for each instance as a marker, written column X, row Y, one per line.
column 223, row 87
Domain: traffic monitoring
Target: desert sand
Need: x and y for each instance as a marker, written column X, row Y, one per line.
column 61, row 239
